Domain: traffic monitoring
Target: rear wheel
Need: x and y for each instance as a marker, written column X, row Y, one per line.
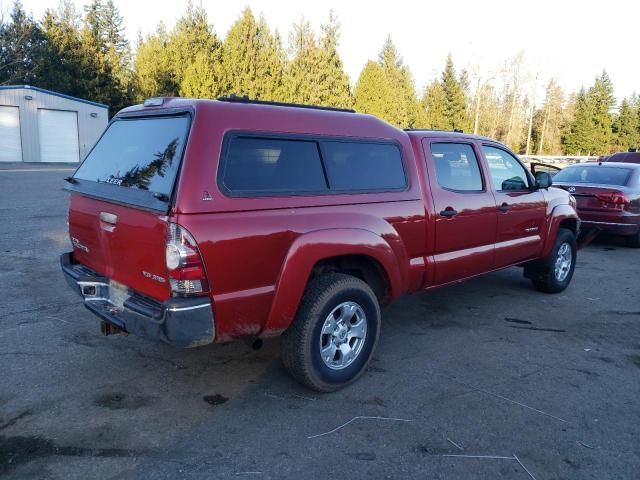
column 554, row 273
column 335, row 331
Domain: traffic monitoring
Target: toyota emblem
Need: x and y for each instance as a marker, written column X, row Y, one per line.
column 571, row 189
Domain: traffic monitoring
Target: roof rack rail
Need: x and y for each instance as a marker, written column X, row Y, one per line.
column 455, row 130
column 245, row 99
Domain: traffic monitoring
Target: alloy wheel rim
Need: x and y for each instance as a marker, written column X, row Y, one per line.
column 563, row 262
column 343, row 335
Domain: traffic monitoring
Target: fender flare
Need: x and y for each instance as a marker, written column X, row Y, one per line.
column 310, row 248
column 557, row 216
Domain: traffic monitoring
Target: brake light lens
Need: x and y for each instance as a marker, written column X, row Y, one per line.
column 187, row 276
column 613, row 198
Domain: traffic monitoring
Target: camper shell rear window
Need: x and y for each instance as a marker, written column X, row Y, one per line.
column 136, row 161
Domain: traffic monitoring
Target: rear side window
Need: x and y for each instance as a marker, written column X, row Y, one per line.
column 268, row 166
column 594, row 174
column 358, row 166
column 456, row 167
column 263, row 165
column 142, row 154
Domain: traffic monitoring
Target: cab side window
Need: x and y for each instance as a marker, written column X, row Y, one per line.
column 507, row 174
column 456, row 167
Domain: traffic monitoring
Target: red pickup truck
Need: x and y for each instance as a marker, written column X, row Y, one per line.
column 198, row 221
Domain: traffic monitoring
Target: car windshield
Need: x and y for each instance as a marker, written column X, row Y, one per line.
column 598, row 175
column 141, row 153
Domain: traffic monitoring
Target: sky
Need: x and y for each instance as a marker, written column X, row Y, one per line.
column 569, row 40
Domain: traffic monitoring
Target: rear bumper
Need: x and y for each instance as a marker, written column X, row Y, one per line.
column 183, row 322
column 614, row 228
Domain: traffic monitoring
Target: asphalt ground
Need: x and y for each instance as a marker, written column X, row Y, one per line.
column 547, row 384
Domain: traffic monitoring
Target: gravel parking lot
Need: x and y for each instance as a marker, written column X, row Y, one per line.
column 487, row 379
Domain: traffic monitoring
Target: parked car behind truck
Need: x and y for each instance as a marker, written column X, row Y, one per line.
column 198, row 221
column 608, row 197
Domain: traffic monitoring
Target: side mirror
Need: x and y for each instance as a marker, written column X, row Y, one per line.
column 543, row 180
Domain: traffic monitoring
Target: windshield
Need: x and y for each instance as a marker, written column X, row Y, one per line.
column 142, row 153
column 593, row 174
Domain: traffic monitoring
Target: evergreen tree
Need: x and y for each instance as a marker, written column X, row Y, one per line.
column 199, row 80
column 455, row 106
column 152, row 67
column 315, row 74
column 626, row 127
column 396, row 86
column 434, row 102
column 302, row 74
column 252, row 59
column 64, row 59
column 106, row 51
column 334, row 82
column 579, row 140
column 601, row 99
column 191, row 36
column 163, row 58
column 22, row 49
column 373, row 91
column 406, row 108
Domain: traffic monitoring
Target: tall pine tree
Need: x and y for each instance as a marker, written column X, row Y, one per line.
column 626, row 126
column 388, row 89
column 434, row 103
column 373, row 91
column 601, row 98
column 315, row 74
column 22, row 49
column 153, row 68
column 455, row 106
column 252, row 59
column 191, row 37
column 579, row 139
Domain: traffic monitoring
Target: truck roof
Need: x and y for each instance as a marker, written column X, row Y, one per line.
column 280, row 117
column 454, row 134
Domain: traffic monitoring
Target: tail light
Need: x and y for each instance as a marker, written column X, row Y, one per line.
column 187, row 276
column 613, row 198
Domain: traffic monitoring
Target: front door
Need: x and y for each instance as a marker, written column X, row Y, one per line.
column 466, row 216
column 521, row 209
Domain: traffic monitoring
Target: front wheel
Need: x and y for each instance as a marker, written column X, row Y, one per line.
column 554, row 273
column 335, row 331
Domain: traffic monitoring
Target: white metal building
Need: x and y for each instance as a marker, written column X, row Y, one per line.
column 38, row 125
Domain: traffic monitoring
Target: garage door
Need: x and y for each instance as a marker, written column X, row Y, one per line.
column 58, row 131
column 10, row 148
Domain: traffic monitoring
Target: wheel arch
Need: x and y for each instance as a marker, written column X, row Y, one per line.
column 359, row 252
column 562, row 216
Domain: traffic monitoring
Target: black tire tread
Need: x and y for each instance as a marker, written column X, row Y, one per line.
column 296, row 359
column 546, row 282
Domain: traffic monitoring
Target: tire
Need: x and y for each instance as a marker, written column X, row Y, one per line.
column 634, row 240
column 553, row 274
column 350, row 303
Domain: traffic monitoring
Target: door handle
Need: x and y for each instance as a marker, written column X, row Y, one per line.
column 448, row 212
column 505, row 207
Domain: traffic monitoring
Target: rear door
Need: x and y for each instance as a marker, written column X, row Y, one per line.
column 465, row 211
column 121, row 196
column 521, row 209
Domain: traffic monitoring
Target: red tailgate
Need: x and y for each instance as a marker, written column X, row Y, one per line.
column 122, row 243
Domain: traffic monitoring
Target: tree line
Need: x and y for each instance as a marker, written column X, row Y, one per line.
column 86, row 54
